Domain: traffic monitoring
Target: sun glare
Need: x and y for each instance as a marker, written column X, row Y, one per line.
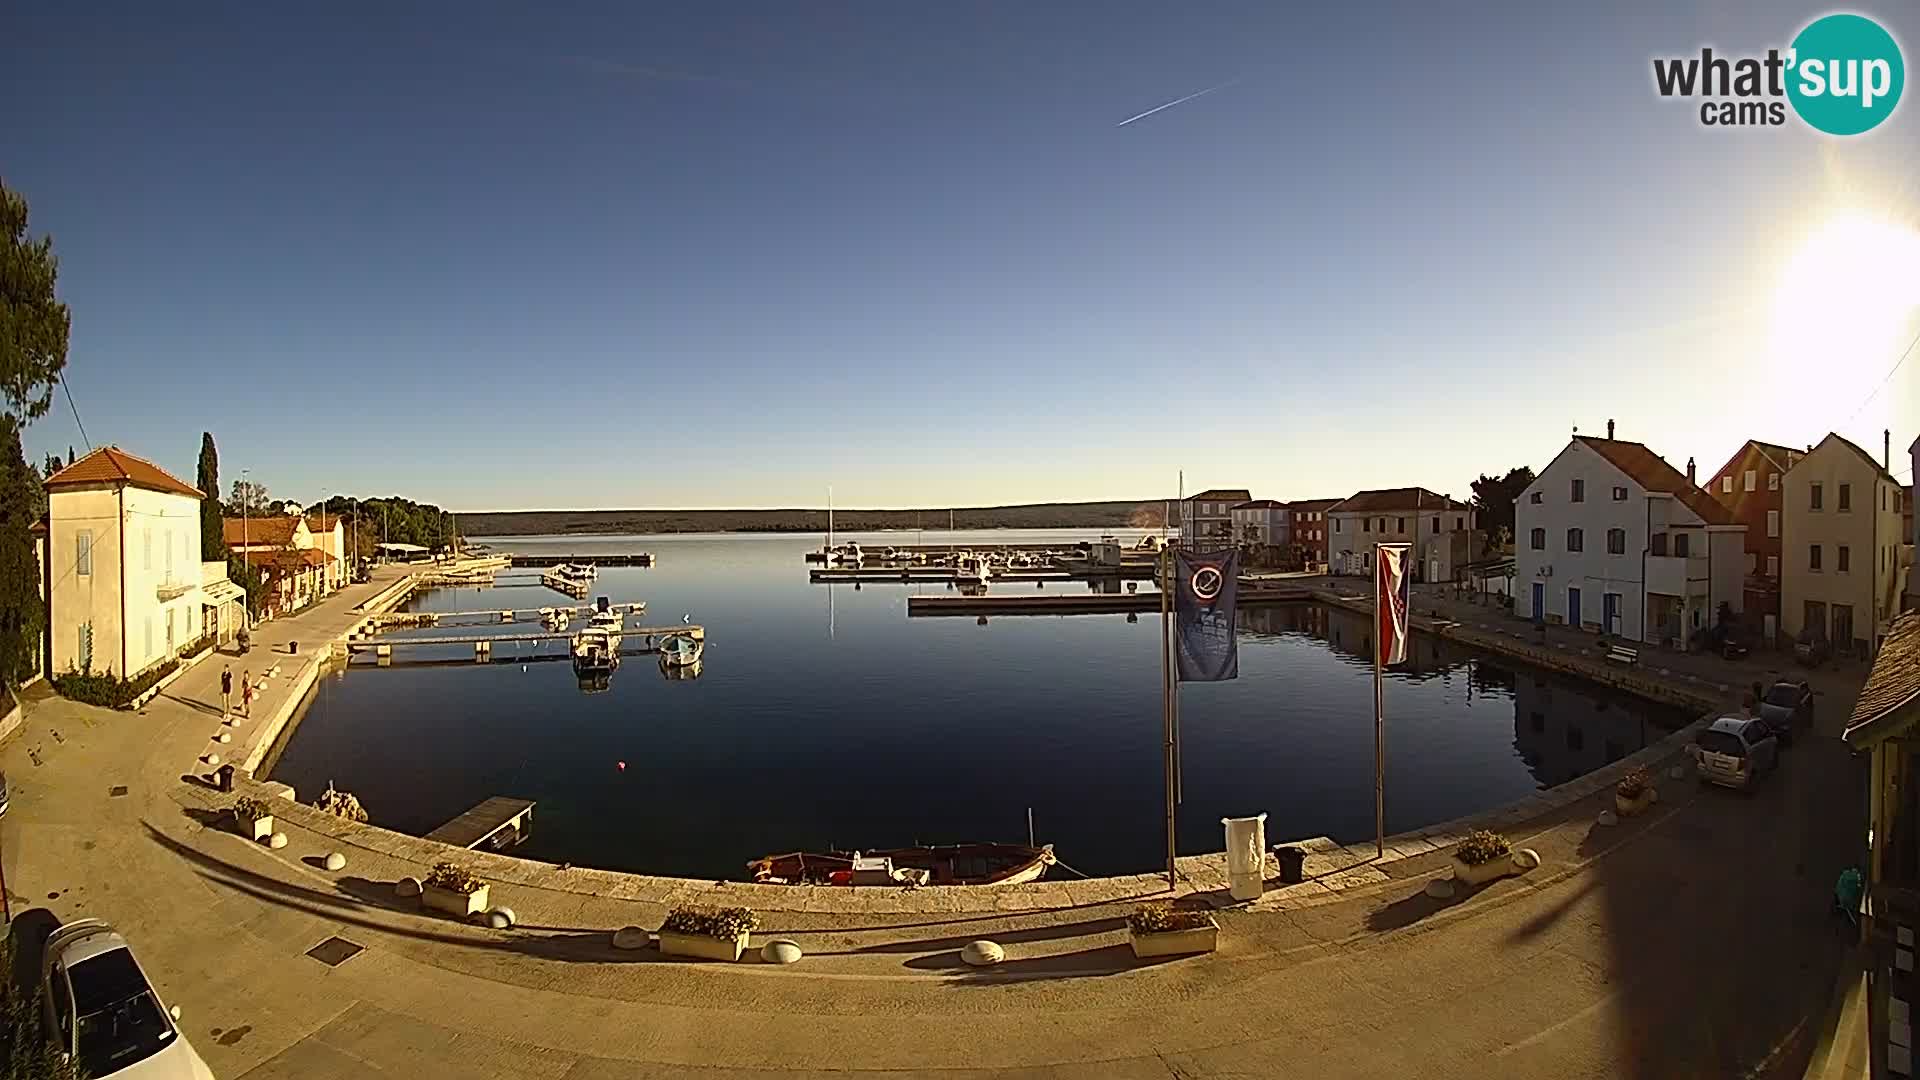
column 1843, row 306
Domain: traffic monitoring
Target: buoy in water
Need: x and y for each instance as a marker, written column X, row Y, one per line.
column 623, row 766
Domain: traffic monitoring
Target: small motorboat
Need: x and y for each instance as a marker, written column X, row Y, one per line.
column 595, row 652
column 680, row 650
column 950, row 864
column 973, row 573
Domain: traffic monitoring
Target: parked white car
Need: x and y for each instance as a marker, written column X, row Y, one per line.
column 1735, row 750
column 104, row 1013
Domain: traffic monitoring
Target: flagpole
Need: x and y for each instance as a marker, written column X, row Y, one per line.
column 1379, row 717
column 1167, row 694
column 1179, row 793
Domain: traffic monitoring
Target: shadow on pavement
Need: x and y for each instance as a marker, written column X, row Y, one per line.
column 1089, row 963
column 28, row 934
column 1054, row 932
column 1411, row 909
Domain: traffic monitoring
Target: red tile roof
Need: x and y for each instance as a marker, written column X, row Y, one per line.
column 323, row 522
column 1220, row 494
column 276, row 531
column 287, row 559
column 1893, row 686
column 1261, row 504
column 1311, row 505
column 112, row 465
column 1406, row 498
column 1652, row 472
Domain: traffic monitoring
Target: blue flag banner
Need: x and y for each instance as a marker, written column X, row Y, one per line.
column 1203, row 612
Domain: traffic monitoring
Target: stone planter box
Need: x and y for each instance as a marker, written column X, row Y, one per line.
column 255, row 829
column 1626, row 807
column 1469, row 874
column 1199, row 939
column 702, row 947
column 455, row 903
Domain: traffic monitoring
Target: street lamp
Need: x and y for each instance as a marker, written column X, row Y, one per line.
column 246, row 564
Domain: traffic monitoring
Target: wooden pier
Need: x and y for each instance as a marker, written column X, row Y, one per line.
column 635, row 558
column 562, row 583
column 484, row 644
column 1125, row 572
column 1077, row 547
column 499, row 822
column 406, row 619
column 1073, row 603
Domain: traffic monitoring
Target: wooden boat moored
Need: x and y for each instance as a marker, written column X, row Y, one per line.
column 949, row 864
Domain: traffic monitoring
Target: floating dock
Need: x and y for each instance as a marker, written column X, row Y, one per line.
column 562, row 583
column 1074, row 603
column 1125, row 572
column 405, row 619
column 499, row 822
column 484, row 644
column 634, row 558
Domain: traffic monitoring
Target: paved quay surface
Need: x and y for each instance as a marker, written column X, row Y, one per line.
column 1692, row 941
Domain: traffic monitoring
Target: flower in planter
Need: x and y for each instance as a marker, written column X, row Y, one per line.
column 1161, row 918
column 724, row 924
column 1482, row 846
column 452, row 878
column 248, row 808
column 1634, row 784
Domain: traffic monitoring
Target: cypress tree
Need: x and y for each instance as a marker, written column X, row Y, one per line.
column 21, row 611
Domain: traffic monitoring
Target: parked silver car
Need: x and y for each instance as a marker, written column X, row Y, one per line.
column 104, row 1013
column 1734, row 751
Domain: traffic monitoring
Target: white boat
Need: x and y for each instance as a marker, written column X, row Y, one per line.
column 973, row 573
column 577, row 571
column 595, row 651
column 608, row 620
column 680, row 650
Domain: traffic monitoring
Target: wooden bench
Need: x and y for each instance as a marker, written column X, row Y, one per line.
column 1621, row 654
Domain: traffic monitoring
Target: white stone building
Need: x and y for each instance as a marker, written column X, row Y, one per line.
column 1840, row 544
column 123, row 573
column 1613, row 539
column 1261, row 521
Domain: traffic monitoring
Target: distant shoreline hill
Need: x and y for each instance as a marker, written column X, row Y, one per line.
column 1088, row 515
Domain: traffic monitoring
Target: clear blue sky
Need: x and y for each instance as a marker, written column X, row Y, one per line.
column 500, row 256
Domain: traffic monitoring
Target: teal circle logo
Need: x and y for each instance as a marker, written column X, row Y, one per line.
column 1845, row 74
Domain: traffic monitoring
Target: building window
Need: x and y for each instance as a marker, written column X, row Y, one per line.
column 1773, row 481
column 1619, row 494
column 1436, row 524
column 1459, row 524
column 1680, row 545
column 1576, row 540
column 1539, row 539
column 1748, row 480
column 1726, row 484
column 1534, row 498
column 1846, row 497
column 1657, row 544
column 1883, row 497
column 83, row 552
column 1773, row 566
column 1402, row 523
column 1579, row 490
column 1813, row 556
column 146, row 548
column 1815, row 496
column 1843, row 561
column 1773, row 524
column 1616, row 541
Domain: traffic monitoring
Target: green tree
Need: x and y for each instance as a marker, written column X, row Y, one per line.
column 213, row 542
column 1494, row 496
column 249, row 497
column 33, row 323
column 22, row 613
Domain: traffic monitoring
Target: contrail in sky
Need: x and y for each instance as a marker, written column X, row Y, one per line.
column 1176, row 101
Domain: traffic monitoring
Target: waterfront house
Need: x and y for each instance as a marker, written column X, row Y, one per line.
column 1611, row 538
column 1309, row 527
column 1884, row 722
column 121, row 575
column 1441, row 530
column 329, row 535
column 1751, row 486
column 1840, row 542
column 294, row 577
column 1206, row 519
column 1262, row 522
column 271, row 532
column 222, row 602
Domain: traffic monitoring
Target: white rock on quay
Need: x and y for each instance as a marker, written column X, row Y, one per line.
column 335, row 861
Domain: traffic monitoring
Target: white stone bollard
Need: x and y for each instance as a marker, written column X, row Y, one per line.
column 335, row 861
column 983, row 953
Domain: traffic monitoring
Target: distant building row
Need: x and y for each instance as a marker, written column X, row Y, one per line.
column 1339, row 534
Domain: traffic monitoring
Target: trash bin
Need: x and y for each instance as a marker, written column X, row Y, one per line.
column 293, row 648
column 1246, row 856
column 226, row 778
column 1293, row 863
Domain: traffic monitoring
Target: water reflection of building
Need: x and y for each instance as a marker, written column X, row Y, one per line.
column 1562, row 729
column 1349, row 635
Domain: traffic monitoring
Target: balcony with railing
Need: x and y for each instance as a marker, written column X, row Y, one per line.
column 172, row 589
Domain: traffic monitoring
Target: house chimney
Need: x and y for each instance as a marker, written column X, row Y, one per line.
column 1886, row 449
column 1690, row 480
column 1609, row 431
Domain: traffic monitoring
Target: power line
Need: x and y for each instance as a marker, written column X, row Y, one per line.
column 1888, row 377
column 76, row 412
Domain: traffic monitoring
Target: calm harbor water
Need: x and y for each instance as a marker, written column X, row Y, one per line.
column 823, row 716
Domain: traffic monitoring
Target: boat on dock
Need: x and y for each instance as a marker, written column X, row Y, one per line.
column 577, row 571
column 973, row 573
column 595, row 651
column 680, row 651
column 949, row 864
column 608, row 620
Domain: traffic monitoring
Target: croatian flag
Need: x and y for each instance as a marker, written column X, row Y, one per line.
column 1390, row 582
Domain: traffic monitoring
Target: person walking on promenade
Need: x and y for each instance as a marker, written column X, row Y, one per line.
column 226, row 692
column 246, row 694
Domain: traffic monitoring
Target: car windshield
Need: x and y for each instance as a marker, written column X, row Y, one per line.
column 1722, row 742
column 1783, row 694
column 121, row 1022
